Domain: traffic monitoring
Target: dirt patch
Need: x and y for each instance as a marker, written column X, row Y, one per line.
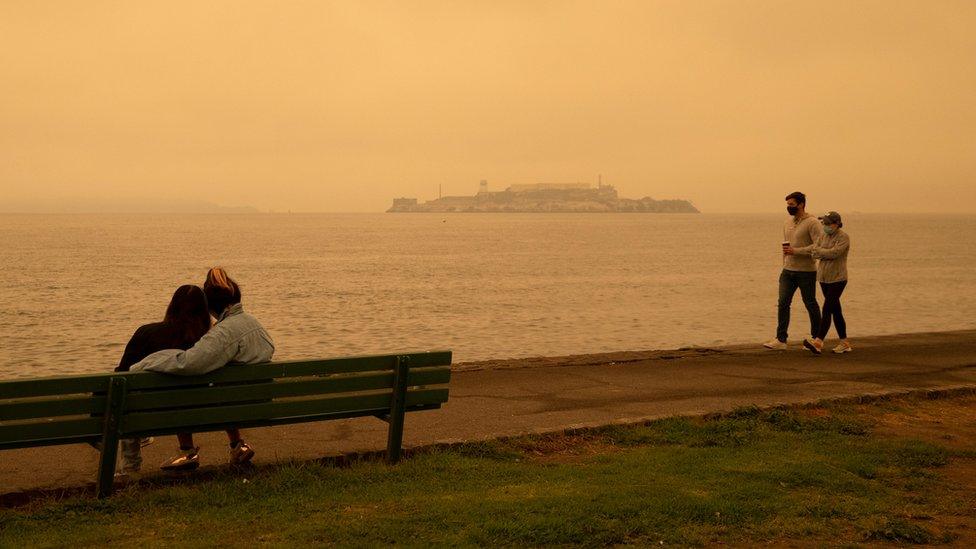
column 950, row 423
column 815, row 412
column 960, row 477
column 564, row 448
column 947, row 422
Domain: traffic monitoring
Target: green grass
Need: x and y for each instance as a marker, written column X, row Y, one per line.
column 752, row 476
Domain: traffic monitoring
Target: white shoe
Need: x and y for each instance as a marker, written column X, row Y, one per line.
column 127, row 476
column 185, row 460
column 241, row 453
column 812, row 344
column 843, row 347
column 775, row 345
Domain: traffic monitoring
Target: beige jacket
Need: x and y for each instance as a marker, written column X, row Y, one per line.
column 831, row 250
column 801, row 235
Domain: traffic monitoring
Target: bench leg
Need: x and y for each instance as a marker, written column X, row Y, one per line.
column 398, row 405
column 110, row 436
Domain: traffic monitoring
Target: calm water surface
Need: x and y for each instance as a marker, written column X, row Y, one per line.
column 75, row 287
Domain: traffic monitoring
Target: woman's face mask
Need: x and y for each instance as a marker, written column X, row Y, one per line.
column 829, row 229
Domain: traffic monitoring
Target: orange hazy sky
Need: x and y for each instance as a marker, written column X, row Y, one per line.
column 341, row 106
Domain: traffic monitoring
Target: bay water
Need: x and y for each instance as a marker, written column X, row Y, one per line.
column 75, row 287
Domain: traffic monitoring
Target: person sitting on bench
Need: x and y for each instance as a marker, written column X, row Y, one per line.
column 236, row 338
column 187, row 319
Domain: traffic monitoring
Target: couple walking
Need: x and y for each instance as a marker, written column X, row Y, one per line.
column 814, row 250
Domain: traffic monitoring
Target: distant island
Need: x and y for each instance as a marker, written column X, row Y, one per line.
column 544, row 197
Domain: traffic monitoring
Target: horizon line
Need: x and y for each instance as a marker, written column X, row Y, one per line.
column 364, row 212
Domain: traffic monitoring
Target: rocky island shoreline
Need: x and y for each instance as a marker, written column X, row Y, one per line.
column 543, row 198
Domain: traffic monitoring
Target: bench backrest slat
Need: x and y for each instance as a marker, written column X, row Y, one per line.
column 72, row 405
column 137, row 422
column 27, row 434
column 279, row 388
column 50, row 386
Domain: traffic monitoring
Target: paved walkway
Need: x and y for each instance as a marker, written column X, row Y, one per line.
column 499, row 398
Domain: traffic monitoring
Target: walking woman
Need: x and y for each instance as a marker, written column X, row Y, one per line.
column 831, row 251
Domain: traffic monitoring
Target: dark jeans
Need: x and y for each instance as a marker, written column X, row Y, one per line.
column 789, row 281
column 831, row 308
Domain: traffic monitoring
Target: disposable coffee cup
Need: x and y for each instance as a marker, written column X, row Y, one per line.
column 786, row 243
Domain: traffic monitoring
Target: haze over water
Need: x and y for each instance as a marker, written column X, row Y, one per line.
column 340, row 106
column 487, row 286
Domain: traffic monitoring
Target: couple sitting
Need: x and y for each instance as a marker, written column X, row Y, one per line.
column 187, row 343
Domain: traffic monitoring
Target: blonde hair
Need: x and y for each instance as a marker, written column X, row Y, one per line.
column 221, row 290
column 217, row 277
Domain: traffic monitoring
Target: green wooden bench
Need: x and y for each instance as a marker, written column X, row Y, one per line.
column 106, row 407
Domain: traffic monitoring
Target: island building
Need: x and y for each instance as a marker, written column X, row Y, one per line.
column 543, row 197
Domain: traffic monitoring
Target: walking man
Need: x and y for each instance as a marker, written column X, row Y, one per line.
column 799, row 268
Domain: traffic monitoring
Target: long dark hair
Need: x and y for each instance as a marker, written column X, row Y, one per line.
column 221, row 290
column 188, row 313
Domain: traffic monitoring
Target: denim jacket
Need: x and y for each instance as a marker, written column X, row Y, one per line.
column 237, row 338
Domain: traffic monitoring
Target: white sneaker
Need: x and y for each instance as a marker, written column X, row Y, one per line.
column 127, row 475
column 185, row 460
column 812, row 344
column 843, row 347
column 241, row 453
column 775, row 345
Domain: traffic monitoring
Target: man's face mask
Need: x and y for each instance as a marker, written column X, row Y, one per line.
column 792, row 209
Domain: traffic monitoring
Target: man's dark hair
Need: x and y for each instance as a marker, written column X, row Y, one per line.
column 798, row 196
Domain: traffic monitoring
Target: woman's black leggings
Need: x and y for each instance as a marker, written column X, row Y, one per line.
column 831, row 308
